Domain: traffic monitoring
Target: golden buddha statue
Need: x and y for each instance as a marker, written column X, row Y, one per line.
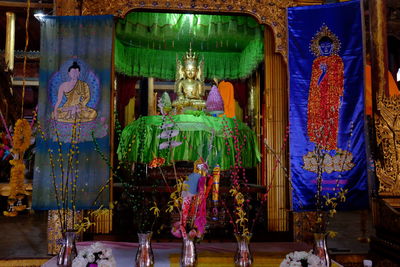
column 189, row 83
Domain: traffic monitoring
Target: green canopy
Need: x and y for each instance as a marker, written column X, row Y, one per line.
column 147, row 44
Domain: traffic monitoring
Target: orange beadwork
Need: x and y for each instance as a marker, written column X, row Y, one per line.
column 22, row 136
column 324, row 101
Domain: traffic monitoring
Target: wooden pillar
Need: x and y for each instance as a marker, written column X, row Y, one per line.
column 68, row 8
column 150, row 97
column 274, row 129
column 379, row 53
column 10, row 40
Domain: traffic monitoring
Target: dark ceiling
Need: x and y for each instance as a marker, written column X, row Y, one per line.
column 19, row 8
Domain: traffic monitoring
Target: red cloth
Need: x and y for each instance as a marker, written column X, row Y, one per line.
column 126, row 91
column 241, row 93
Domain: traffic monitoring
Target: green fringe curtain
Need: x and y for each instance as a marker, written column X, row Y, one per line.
column 139, row 141
column 147, row 44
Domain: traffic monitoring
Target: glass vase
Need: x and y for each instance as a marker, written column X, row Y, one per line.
column 243, row 256
column 320, row 248
column 68, row 250
column 189, row 253
column 144, row 254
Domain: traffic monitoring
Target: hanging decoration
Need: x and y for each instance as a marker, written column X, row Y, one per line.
column 74, row 96
column 147, row 44
column 327, row 143
column 21, row 142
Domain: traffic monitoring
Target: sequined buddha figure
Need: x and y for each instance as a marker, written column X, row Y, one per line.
column 326, row 89
column 77, row 95
column 189, row 83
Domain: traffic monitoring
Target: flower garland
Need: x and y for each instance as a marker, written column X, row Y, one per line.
column 98, row 254
column 16, row 187
column 21, row 142
column 301, row 258
column 22, row 136
column 17, row 178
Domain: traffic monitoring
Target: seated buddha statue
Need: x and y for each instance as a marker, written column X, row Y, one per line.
column 77, row 94
column 189, row 83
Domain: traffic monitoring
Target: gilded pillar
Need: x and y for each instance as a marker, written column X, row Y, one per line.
column 10, row 40
column 385, row 108
column 379, row 53
column 274, row 129
column 150, row 97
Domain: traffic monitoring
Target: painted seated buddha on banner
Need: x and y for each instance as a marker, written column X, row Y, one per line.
column 77, row 94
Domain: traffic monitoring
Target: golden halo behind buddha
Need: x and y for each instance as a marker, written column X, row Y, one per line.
column 324, row 31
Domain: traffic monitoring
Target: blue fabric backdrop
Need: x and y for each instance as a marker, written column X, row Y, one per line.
column 65, row 42
column 327, row 104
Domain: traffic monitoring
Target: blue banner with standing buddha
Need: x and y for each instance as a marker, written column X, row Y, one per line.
column 326, row 110
column 73, row 113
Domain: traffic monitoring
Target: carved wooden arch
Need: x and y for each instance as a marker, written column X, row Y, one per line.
column 267, row 12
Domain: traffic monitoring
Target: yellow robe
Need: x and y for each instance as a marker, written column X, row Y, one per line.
column 75, row 108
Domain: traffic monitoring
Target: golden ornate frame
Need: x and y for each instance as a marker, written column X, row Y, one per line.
column 269, row 12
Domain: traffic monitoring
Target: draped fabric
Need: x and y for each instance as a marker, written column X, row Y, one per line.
column 126, row 91
column 74, row 93
column 227, row 93
column 147, row 44
column 201, row 136
column 393, row 90
column 327, row 104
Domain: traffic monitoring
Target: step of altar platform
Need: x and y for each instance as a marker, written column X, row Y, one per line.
column 23, row 262
column 261, row 259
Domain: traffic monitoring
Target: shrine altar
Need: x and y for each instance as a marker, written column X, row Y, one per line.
column 201, row 136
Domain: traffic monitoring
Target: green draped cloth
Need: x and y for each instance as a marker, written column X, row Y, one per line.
column 147, row 44
column 201, row 136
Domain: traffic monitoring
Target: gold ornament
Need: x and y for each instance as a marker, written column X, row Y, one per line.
column 324, row 31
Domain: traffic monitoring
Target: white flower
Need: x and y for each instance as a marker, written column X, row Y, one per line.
column 107, row 253
column 87, row 255
column 79, row 262
column 107, row 263
column 314, row 260
column 91, row 258
column 293, row 259
column 299, row 255
column 97, row 247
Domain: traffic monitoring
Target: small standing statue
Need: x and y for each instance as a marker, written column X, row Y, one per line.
column 189, row 83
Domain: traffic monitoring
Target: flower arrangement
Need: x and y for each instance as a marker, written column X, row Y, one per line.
column 321, row 161
column 189, row 199
column 244, row 215
column 190, row 194
column 133, row 178
column 302, row 259
column 64, row 162
column 95, row 255
column 325, row 158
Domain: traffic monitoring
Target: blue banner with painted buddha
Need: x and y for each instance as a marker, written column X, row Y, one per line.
column 73, row 113
column 326, row 110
